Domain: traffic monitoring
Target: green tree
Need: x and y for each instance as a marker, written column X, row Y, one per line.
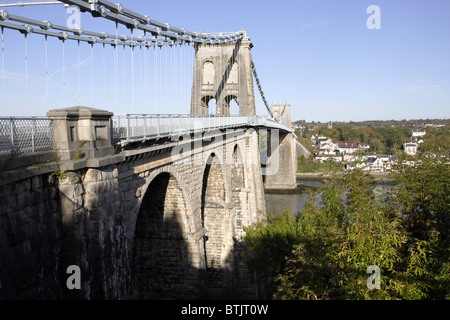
column 267, row 245
column 422, row 196
column 436, row 140
column 393, row 138
column 338, row 245
column 348, row 133
column 325, row 131
column 309, row 165
column 365, row 134
column 324, row 252
column 374, row 236
column 308, row 273
column 377, row 146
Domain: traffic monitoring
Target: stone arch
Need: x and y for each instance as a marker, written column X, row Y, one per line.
column 218, row 239
column 233, row 73
column 209, row 104
column 212, row 106
column 239, row 211
column 162, row 250
column 208, row 74
column 142, row 191
column 232, row 105
column 237, row 169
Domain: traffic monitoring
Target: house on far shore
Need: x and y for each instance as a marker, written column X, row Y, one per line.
column 410, row 147
column 325, row 157
column 374, row 163
column 351, row 147
column 381, row 163
column 317, row 139
column 328, row 146
column 418, row 133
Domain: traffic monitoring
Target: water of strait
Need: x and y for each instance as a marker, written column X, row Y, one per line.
column 276, row 202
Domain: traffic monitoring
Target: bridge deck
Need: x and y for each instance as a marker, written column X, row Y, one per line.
column 133, row 128
column 32, row 134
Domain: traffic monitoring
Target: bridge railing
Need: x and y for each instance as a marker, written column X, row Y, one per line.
column 263, row 121
column 139, row 127
column 19, row 135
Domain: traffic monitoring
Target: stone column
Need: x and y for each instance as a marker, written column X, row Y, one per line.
column 81, row 132
column 282, row 162
column 82, row 137
column 283, row 112
column 282, row 165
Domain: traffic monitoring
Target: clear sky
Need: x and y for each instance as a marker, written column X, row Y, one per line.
column 317, row 55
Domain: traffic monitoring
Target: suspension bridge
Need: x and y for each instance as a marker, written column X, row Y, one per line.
column 146, row 205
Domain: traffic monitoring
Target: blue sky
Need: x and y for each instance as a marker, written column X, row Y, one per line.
column 319, row 56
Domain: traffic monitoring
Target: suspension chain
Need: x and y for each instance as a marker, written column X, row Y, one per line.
column 258, row 83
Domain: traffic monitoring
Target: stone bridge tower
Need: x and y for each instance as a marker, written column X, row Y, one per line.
column 281, row 166
column 223, row 73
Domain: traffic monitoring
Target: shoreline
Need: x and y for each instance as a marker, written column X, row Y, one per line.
column 298, row 190
column 318, row 176
column 380, row 178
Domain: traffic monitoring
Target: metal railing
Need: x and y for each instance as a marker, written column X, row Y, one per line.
column 19, row 135
column 140, row 127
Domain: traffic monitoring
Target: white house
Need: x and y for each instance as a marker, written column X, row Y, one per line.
column 350, row 157
column 351, row 147
column 317, row 139
column 373, row 163
column 325, row 157
column 353, row 165
column 418, row 133
column 376, row 164
column 327, row 147
column 363, row 146
column 410, row 147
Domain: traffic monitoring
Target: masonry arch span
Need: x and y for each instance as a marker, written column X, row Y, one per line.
column 218, row 240
column 162, row 248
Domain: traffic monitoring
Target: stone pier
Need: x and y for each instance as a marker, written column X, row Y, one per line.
column 281, row 167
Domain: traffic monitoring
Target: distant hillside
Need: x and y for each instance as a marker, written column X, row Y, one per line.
column 379, row 123
column 383, row 137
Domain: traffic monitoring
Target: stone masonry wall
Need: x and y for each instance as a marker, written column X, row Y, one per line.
column 30, row 239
